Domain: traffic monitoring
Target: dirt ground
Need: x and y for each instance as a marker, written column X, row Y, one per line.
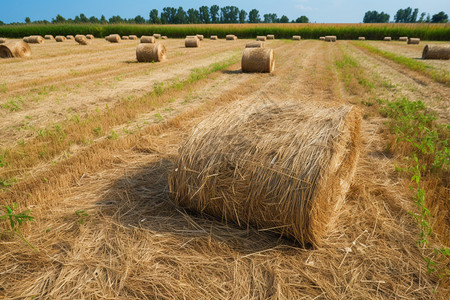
column 105, row 225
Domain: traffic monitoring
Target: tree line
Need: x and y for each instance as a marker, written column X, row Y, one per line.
column 405, row 15
column 173, row 15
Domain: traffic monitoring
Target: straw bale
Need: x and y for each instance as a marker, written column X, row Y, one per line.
column 214, row 37
column 90, row 36
column 70, row 37
column 361, row 38
column 256, row 44
column 261, row 38
column 259, row 60
column 60, row 38
column 146, row 52
column 49, row 37
column 403, row 38
column 34, row 39
column 157, row 35
column 413, row 41
column 2, row 40
column 82, row 39
column 322, row 38
column 436, row 52
column 230, row 37
column 330, row 38
column 164, row 37
column 279, row 167
column 192, row 42
column 200, row 37
column 15, row 49
column 148, row 39
column 296, row 37
column 132, row 37
column 270, row 37
column 387, row 39
column 125, row 37
column 113, row 38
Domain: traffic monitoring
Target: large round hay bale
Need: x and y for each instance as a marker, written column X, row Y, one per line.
column 34, row 39
column 403, row 38
column 436, row 52
column 270, row 36
column 361, row 38
column 413, row 41
column 214, row 37
column 49, row 37
column 164, row 37
column 60, row 38
column 2, row 40
column 322, row 38
column 258, row 60
column 15, row 49
column 82, row 39
column 157, row 35
column 146, row 52
column 148, row 39
column 113, row 38
column 283, row 167
column 90, row 36
column 296, row 37
column 256, row 44
column 125, row 37
column 330, row 38
column 200, row 36
column 192, row 42
column 70, row 37
column 230, row 37
column 132, row 37
column 387, row 39
column 261, row 38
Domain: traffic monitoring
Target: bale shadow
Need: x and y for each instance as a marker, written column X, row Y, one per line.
column 142, row 200
column 232, row 72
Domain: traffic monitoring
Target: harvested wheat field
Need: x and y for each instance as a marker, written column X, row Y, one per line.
column 92, row 145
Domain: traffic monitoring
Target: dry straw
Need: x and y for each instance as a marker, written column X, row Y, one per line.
column 361, row 38
column 258, row 60
column 403, row 38
column 200, row 37
column 322, row 38
column 146, row 52
column 270, row 37
column 436, row 52
column 82, row 39
column 261, row 38
column 230, row 37
column 34, row 39
column 296, row 38
column 132, row 37
column 164, row 37
column 125, row 37
column 330, row 38
column 279, row 167
column 214, row 37
column 413, row 41
column 70, row 37
column 90, row 36
column 113, row 38
column 192, row 42
column 387, row 39
column 2, row 40
column 157, row 35
column 148, row 39
column 256, row 44
column 49, row 37
column 60, row 38
column 15, row 49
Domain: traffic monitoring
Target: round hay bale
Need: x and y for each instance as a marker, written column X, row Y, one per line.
column 387, row 39
column 60, row 38
column 2, row 40
column 230, row 37
column 322, row 38
column 147, row 52
column 157, row 35
column 330, row 38
column 200, row 36
column 125, row 37
column 148, row 39
column 113, row 38
column 132, row 37
column 90, row 36
column 256, row 44
column 35, row 39
column 413, row 41
column 70, row 37
column 436, row 52
column 270, row 36
column 49, row 37
column 191, row 42
column 82, row 39
column 258, row 60
column 403, row 38
column 15, row 49
column 361, row 38
column 261, row 38
column 284, row 167
column 164, row 37
column 296, row 37
column 214, row 37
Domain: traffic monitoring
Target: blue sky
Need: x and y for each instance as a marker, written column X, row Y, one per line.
column 320, row 11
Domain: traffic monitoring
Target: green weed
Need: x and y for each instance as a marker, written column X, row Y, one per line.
column 15, row 221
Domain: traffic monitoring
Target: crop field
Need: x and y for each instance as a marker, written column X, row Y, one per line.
column 89, row 136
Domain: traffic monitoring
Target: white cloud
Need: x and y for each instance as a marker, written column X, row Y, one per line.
column 303, row 7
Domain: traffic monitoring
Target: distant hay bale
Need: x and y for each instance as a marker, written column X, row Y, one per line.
column 90, row 36
column 34, row 39
column 49, row 37
column 60, row 38
column 125, row 37
column 258, row 60
column 322, row 38
column 146, row 52
column 261, row 38
column 214, row 37
column 15, row 49
column 330, row 38
column 361, row 38
column 2, row 40
column 200, row 36
column 164, row 37
column 132, row 37
column 157, row 35
column 256, row 44
column 283, row 167
column 296, row 37
column 82, row 39
column 413, row 41
column 148, row 39
column 230, row 37
column 403, row 38
column 113, row 38
column 70, row 37
column 270, row 37
column 192, row 42
column 436, row 52
column 387, row 39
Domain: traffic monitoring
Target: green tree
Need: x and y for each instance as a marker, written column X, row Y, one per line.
column 168, row 15
column 57, row 19
column 422, row 16
column 242, row 16
column 253, row 16
column 103, row 19
column 440, row 17
column 154, row 19
column 204, row 14
column 214, row 13
column 270, row 18
column 139, row 20
column 83, row 18
column 407, row 15
column 181, row 16
column 375, row 17
column 27, row 20
column 114, row 20
column 193, row 16
column 229, row 14
column 93, row 20
column 302, row 19
column 284, row 19
column 1, row 22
